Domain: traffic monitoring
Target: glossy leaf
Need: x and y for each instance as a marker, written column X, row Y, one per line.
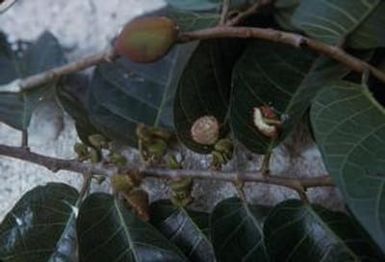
column 207, row 5
column 282, row 78
column 71, row 93
column 195, row 5
column 370, row 33
column 108, row 231
column 332, row 21
column 190, row 20
column 40, row 226
column 204, row 89
column 123, row 94
column 236, row 231
column 349, row 127
column 16, row 108
column 185, row 228
column 295, row 231
column 283, row 12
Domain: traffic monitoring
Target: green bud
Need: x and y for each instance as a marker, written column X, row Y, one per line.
column 224, row 145
column 157, row 148
column 95, row 155
column 118, row 159
column 98, row 141
column 82, row 151
column 172, row 163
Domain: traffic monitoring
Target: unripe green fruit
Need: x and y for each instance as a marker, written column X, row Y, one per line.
column 146, row 40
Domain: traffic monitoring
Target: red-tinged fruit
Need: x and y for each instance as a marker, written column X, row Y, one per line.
column 147, row 40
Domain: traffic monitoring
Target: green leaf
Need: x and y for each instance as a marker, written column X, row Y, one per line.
column 283, row 12
column 207, row 5
column 190, row 20
column 44, row 54
column 71, row 93
column 108, row 231
column 236, row 231
column 295, row 231
column 195, row 5
column 370, row 33
column 349, row 127
column 16, row 108
column 40, row 226
column 8, row 70
column 332, row 21
column 282, row 78
column 204, row 89
column 123, row 94
column 185, row 228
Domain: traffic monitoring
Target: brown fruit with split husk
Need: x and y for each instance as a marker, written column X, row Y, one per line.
column 146, row 40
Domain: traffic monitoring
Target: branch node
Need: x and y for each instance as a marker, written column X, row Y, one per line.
column 302, row 43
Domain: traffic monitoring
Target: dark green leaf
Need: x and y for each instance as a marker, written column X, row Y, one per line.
column 190, row 21
column 371, row 33
column 280, row 77
column 108, row 231
column 123, row 94
column 332, row 21
column 46, row 53
column 208, row 5
column 186, row 229
column 295, row 231
column 236, row 231
column 71, row 93
column 204, row 88
column 283, row 12
column 38, row 228
column 195, row 5
column 8, row 71
column 349, row 127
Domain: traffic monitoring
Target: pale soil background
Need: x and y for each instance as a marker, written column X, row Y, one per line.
column 84, row 27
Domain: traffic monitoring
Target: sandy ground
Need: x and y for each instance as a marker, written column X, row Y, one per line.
column 84, row 27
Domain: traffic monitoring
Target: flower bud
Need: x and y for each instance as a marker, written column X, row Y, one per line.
column 98, row 141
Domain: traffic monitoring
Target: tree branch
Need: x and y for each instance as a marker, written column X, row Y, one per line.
column 55, row 73
column 55, row 164
column 51, row 163
column 223, row 31
column 292, row 39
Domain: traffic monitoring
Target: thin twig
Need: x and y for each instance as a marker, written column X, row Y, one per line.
column 253, row 9
column 24, row 139
column 265, row 167
column 87, row 179
column 292, row 39
column 55, row 164
column 55, row 73
column 225, row 11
